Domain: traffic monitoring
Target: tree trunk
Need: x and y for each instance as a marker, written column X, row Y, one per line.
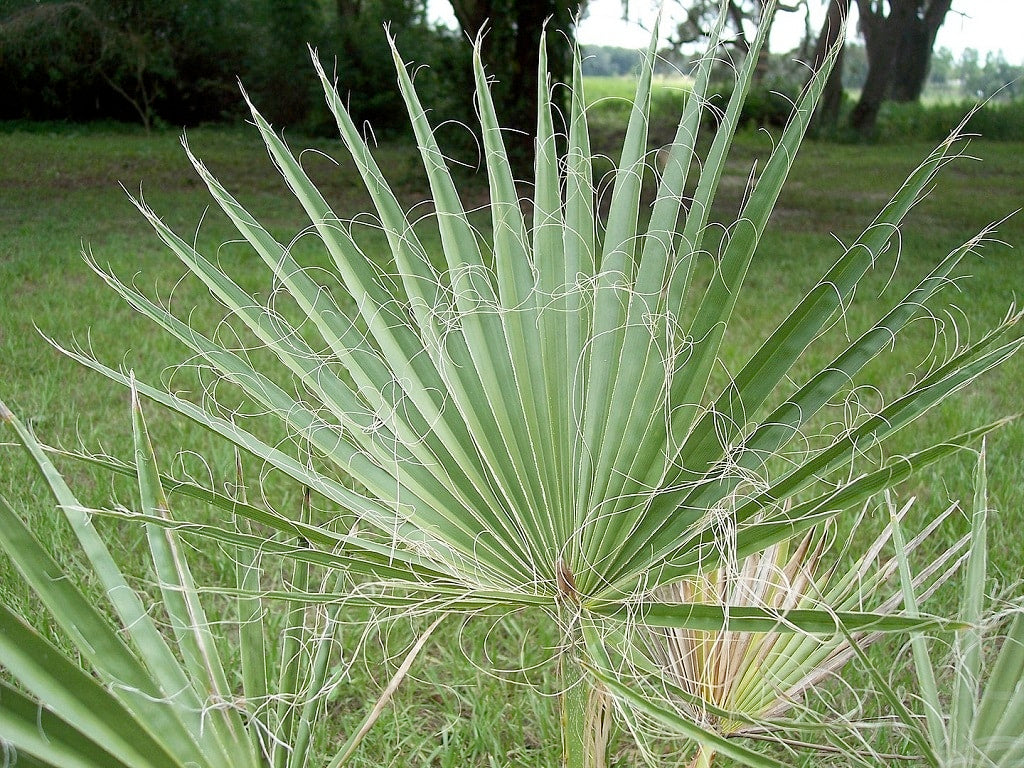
column 913, row 53
column 880, row 38
column 832, row 97
column 899, row 48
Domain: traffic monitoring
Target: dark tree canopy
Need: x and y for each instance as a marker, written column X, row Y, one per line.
column 155, row 61
column 122, row 59
column 354, row 48
column 178, row 63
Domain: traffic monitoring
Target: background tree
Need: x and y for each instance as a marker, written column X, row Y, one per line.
column 898, row 37
column 151, row 61
column 282, row 73
column 996, row 78
column 832, row 97
column 943, row 67
column 742, row 20
column 609, row 61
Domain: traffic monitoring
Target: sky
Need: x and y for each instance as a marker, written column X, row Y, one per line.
column 985, row 25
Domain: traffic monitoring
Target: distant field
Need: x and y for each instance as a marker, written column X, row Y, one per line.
column 601, row 87
column 609, row 99
column 59, row 193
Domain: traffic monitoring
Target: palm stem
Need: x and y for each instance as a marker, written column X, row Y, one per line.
column 585, row 718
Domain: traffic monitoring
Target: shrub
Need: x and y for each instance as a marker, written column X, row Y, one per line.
column 995, row 120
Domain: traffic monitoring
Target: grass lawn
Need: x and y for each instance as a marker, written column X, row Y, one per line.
column 59, row 194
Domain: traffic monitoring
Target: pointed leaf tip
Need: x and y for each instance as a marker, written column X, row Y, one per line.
column 136, row 404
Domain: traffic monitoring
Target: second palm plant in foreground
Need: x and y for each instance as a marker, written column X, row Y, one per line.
column 535, row 423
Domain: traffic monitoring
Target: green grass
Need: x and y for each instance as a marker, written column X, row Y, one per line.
column 59, row 191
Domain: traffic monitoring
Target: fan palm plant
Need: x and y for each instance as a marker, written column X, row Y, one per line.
column 533, row 423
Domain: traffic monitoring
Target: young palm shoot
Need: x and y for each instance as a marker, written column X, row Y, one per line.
column 983, row 723
column 739, row 683
column 531, row 421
